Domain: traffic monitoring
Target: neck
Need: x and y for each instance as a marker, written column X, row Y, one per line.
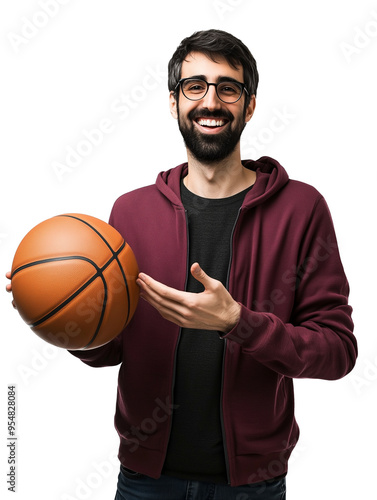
column 218, row 180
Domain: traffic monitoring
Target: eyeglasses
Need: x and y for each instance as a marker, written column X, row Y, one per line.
column 227, row 91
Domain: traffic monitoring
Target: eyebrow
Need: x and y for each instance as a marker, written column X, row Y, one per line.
column 218, row 80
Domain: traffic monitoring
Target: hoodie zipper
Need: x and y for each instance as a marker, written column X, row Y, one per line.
column 225, row 446
column 178, row 340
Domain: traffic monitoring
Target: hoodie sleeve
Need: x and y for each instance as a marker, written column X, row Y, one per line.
column 318, row 342
column 109, row 354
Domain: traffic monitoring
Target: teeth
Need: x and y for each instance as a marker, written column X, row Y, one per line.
column 211, row 123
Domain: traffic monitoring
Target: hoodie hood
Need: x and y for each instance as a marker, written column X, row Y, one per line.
column 271, row 177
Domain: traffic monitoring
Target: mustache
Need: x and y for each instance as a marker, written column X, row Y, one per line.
column 206, row 113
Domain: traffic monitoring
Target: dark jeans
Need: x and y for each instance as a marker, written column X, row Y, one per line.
column 133, row 486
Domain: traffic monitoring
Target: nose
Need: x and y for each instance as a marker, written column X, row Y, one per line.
column 211, row 100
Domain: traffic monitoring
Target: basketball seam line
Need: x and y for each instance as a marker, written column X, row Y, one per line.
column 102, row 313
column 52, row 259
column 104, row 302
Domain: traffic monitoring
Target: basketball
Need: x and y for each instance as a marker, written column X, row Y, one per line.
column 74, row 281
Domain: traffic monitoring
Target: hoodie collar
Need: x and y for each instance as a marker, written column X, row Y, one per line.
column 271, row 177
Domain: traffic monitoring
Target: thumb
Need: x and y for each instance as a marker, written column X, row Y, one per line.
column 200, row 275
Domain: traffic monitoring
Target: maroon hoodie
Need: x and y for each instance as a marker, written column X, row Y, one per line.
column 285, row 271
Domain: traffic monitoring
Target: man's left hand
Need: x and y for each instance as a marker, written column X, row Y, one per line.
column 212, row 309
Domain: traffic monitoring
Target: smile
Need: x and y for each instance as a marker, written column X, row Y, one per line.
column 210, row 123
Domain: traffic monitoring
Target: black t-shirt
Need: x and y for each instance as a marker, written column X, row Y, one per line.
column 196, row 448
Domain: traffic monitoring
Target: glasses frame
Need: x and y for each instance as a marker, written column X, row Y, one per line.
column 241, row 84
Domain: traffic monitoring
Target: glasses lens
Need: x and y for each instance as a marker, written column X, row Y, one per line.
column 229, row 91
column 194, row 89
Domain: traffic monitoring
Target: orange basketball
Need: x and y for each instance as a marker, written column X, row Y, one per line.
column 74, row 281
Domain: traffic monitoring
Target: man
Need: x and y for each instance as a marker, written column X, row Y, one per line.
column 243, row 291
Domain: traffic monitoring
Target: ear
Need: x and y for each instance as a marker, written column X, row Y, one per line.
column 173, row 105
column 250, row 108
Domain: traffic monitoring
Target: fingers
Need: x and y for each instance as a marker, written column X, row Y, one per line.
column 156, row 291
column 9, row 285
column 198, row 273
column 147, row 283
column 168, row 301
column 202, row 277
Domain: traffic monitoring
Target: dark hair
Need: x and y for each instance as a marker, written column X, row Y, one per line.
column 214, row 43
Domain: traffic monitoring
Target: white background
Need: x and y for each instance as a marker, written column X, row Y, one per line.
column 65, row 67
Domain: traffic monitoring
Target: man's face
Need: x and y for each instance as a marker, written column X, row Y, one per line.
column 207, row 142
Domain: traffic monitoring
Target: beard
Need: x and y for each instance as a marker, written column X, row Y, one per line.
column 209, row 148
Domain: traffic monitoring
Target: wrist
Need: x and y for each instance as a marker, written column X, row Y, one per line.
column 233, row 317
